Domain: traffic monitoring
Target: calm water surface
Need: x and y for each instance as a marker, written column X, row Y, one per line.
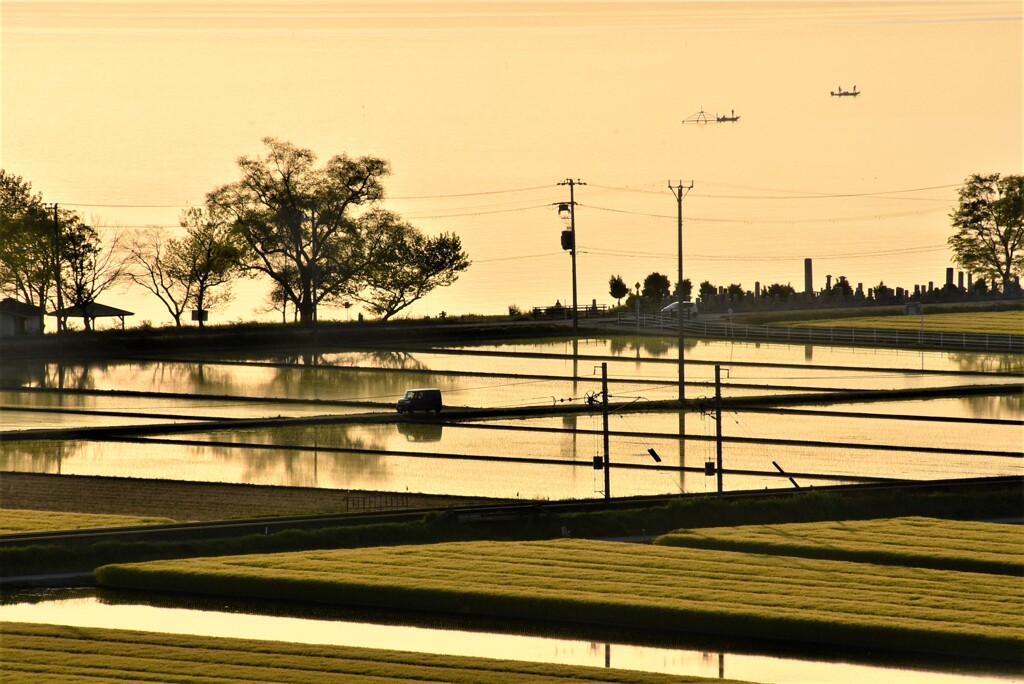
column 85, row 610
column 543, row 458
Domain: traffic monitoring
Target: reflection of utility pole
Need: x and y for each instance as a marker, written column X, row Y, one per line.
column 677, row 191
column 682, row 450
column 575, row 365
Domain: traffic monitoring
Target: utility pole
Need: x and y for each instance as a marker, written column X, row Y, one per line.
column 718, row 427
column 56, row 269
column 604, row 412
column 314, row 250
column 572, row 245
column 678, row 192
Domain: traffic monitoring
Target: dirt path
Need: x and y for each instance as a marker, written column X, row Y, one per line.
column 186, row 501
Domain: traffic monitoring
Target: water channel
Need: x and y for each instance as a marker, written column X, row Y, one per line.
column 425, row 634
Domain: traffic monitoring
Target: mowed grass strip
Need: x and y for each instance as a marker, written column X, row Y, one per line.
column 912, row 541
column 655, row 587
column 14, row 520
column 56, row 653
column 977, row 322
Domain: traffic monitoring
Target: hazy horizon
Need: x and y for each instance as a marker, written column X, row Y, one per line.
column 129, row 113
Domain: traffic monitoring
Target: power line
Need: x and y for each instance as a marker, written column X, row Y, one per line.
column 472, row 194
column 797, row 194
column 708, row 257
column 834, row 219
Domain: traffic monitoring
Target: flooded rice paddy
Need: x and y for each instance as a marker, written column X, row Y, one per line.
column 539, row 457
column 548, row 458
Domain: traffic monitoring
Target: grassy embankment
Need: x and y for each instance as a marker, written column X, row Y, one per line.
column 1005, row 318
column 663, row 588
column 916, row 542
column 61, row 654
column 13, row 521
column 978, row 322
column 805, row 506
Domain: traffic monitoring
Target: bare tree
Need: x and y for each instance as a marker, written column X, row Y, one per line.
column 210, row 257
column 89, row 267
column 188, row 271
column 154, row 263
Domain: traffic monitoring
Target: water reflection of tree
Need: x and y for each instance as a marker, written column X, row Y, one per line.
column 305, row 466
column 992, row 405
column 72, row 376
column 389, row 359
column 349, row 383
column 995, row 406
column 988, row 363
column 36, row 456
column 654, row 347
column 23, row 374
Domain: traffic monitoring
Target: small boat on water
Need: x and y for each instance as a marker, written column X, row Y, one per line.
column 845, row 93
column 703, row 117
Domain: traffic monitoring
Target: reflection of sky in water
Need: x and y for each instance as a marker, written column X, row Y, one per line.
column 320, row 459
column 326, row 456
column 90, row 612
column 290, row 377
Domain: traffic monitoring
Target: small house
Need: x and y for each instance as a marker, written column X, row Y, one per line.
column 18, row 318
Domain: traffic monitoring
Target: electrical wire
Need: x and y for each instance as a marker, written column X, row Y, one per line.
column 833, row 219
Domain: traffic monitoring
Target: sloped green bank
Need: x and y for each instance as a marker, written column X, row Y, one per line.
column 13, row 520
column 914, row 542
column 630, row 585
column 60, row 654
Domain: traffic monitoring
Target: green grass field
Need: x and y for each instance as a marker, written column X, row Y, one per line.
column 980, row 322
column 912, row 542
column 17, row 520
column 45, row 654
column 653, row 587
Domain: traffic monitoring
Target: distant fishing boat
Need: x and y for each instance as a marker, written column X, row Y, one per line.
column 845, row 93
column 703, row 117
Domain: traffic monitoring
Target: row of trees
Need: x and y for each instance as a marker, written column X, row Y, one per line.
column 48, row 255
column 656, row 288
column 988, row 242
column 317, row 233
